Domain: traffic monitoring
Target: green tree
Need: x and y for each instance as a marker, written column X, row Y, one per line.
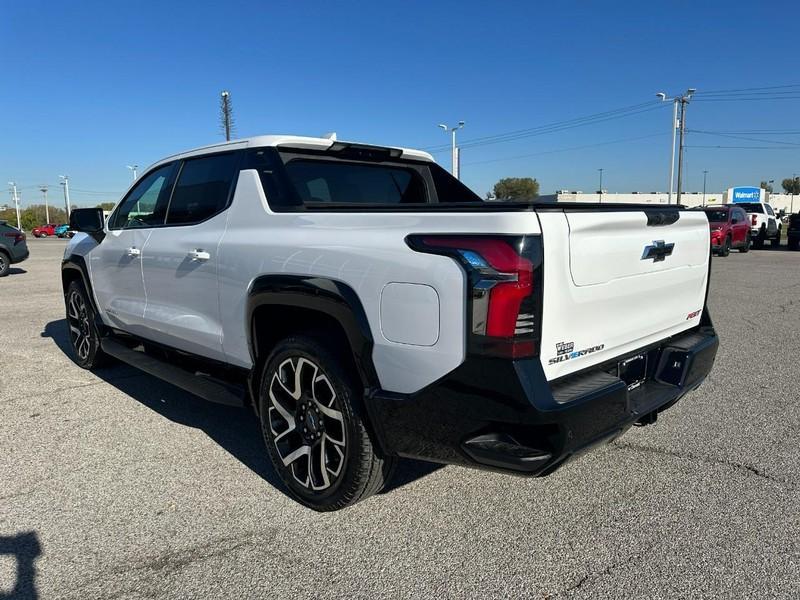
column 766, row 185
column 791, row 185
column 35, row 215
column 516, row 189
column 106, row 205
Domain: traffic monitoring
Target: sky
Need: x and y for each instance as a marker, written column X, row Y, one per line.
column 91, row 87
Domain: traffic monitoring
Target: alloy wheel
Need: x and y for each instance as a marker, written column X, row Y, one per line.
column 307, row 424
column 80, row 327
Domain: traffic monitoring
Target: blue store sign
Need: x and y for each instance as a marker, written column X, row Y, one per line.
column 746, row 194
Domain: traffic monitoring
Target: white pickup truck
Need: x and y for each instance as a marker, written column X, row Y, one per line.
column 367, row 305
column 764, row 224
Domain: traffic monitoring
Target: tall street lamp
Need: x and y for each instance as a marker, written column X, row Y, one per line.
column 682, row 100
column 133, row 168
column 704, row 187
column 452, row 130
column 600, row 191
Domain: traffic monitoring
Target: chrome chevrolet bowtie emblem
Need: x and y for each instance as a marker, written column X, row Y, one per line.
column 657, row 251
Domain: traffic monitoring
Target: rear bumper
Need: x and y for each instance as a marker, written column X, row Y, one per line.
column 19, row 254
column 503, row 415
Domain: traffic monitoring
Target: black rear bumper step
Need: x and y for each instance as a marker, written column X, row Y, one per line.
column 199, row 384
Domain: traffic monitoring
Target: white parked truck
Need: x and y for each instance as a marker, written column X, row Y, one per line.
column 370, row 306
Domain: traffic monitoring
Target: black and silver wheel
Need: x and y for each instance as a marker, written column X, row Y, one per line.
column 5, row 264
column 314, row 427
column 83, row 333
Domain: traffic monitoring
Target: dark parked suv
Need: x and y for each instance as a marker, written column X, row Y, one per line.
column 794, row 231
column 13, row 248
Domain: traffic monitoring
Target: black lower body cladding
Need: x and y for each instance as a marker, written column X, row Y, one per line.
column 504, row 415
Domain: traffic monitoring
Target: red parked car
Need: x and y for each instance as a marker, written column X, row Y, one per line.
column 44, row 230
column 730, row 228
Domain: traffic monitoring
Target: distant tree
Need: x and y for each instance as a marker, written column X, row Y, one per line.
column 516, row 188
column 791, row 185
column 766, row 185
column 106, row 205
column 35, row 215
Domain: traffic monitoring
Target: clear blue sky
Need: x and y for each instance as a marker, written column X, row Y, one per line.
column 90, row 87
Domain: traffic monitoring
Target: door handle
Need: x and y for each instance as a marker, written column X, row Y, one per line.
column 133, row 251
column 199, row 255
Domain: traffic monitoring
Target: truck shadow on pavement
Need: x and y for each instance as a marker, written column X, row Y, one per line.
column 236, row 430
column 24, row 548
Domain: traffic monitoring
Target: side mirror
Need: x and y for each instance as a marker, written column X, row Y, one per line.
column 87, row 220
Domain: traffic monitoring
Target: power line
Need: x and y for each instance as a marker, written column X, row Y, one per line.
column 746, row 147
column 740, row 137
column 733, row 91
column 619, row 141
column 555, row 126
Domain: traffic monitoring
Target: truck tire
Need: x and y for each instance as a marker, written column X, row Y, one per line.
column 793, row 243
column 776, row 241
column 746, row 247
column 5, row 263
column 315, row 426
column 84, row 335
column 725, row 250
column 758, row 243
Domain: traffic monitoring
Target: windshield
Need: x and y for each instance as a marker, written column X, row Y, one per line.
column 717, row 216
column 751, row 207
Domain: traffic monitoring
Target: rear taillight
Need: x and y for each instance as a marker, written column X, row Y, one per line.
column 17, row 235
column 754, row 219
column 504, row 281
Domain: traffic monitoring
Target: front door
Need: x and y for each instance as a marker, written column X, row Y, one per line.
column 180, row 259
column 116, row 262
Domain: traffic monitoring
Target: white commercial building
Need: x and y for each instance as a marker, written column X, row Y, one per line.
column 786, row 202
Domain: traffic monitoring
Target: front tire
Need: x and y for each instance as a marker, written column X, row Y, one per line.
column 83, row 332
column 314, row 427
column 726, row 247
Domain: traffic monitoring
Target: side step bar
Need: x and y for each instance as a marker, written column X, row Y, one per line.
column 207, row 387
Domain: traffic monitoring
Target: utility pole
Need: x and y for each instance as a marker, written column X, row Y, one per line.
column 704, row 187
column 65, row 182
column 684, row 100
column 43, row 189
column 133, row 168
column 226, row 114
column 452, row 130
column 16, row 202
column 600, row 191
column 794, row 184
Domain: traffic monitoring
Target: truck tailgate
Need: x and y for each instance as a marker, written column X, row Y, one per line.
column 618, row 279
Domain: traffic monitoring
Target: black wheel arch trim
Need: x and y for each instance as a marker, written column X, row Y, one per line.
column 333, row 298
column 77, row 264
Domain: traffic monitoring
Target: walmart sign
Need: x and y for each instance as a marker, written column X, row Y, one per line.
column 745, row 194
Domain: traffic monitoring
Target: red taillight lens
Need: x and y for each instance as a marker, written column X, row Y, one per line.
column 502, row 272
column 753, row 219
column 18, row 236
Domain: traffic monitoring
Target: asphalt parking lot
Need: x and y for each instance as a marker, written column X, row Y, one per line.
column 116, row 485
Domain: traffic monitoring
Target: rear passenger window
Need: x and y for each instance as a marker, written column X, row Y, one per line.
column 355, row 183
column 202, row 188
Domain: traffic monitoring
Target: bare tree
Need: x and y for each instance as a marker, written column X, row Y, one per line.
column 226, row 115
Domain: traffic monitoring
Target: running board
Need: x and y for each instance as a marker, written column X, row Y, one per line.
column 205, row 386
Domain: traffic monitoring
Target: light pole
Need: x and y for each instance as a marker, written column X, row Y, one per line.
column 681, row 126
column 452, row 130
column 133, row 168
column 600, row 191
column 674, row 101
column 43, row 189
column 704, row 187
column 65, row 182
column 16, row 202
column 794, row 184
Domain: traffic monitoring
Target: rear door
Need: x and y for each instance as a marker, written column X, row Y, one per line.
column 115, row 263
column 616, row 280
column 180, row 260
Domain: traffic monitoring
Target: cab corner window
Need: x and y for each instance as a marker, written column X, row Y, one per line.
column 202, row 188
column 145, row 204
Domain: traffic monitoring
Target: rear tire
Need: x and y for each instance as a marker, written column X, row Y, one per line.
column 5, row 263
column 776, row 241
column 83, row 332
column 746, row 247
column 758, row 243
column 315, row 427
